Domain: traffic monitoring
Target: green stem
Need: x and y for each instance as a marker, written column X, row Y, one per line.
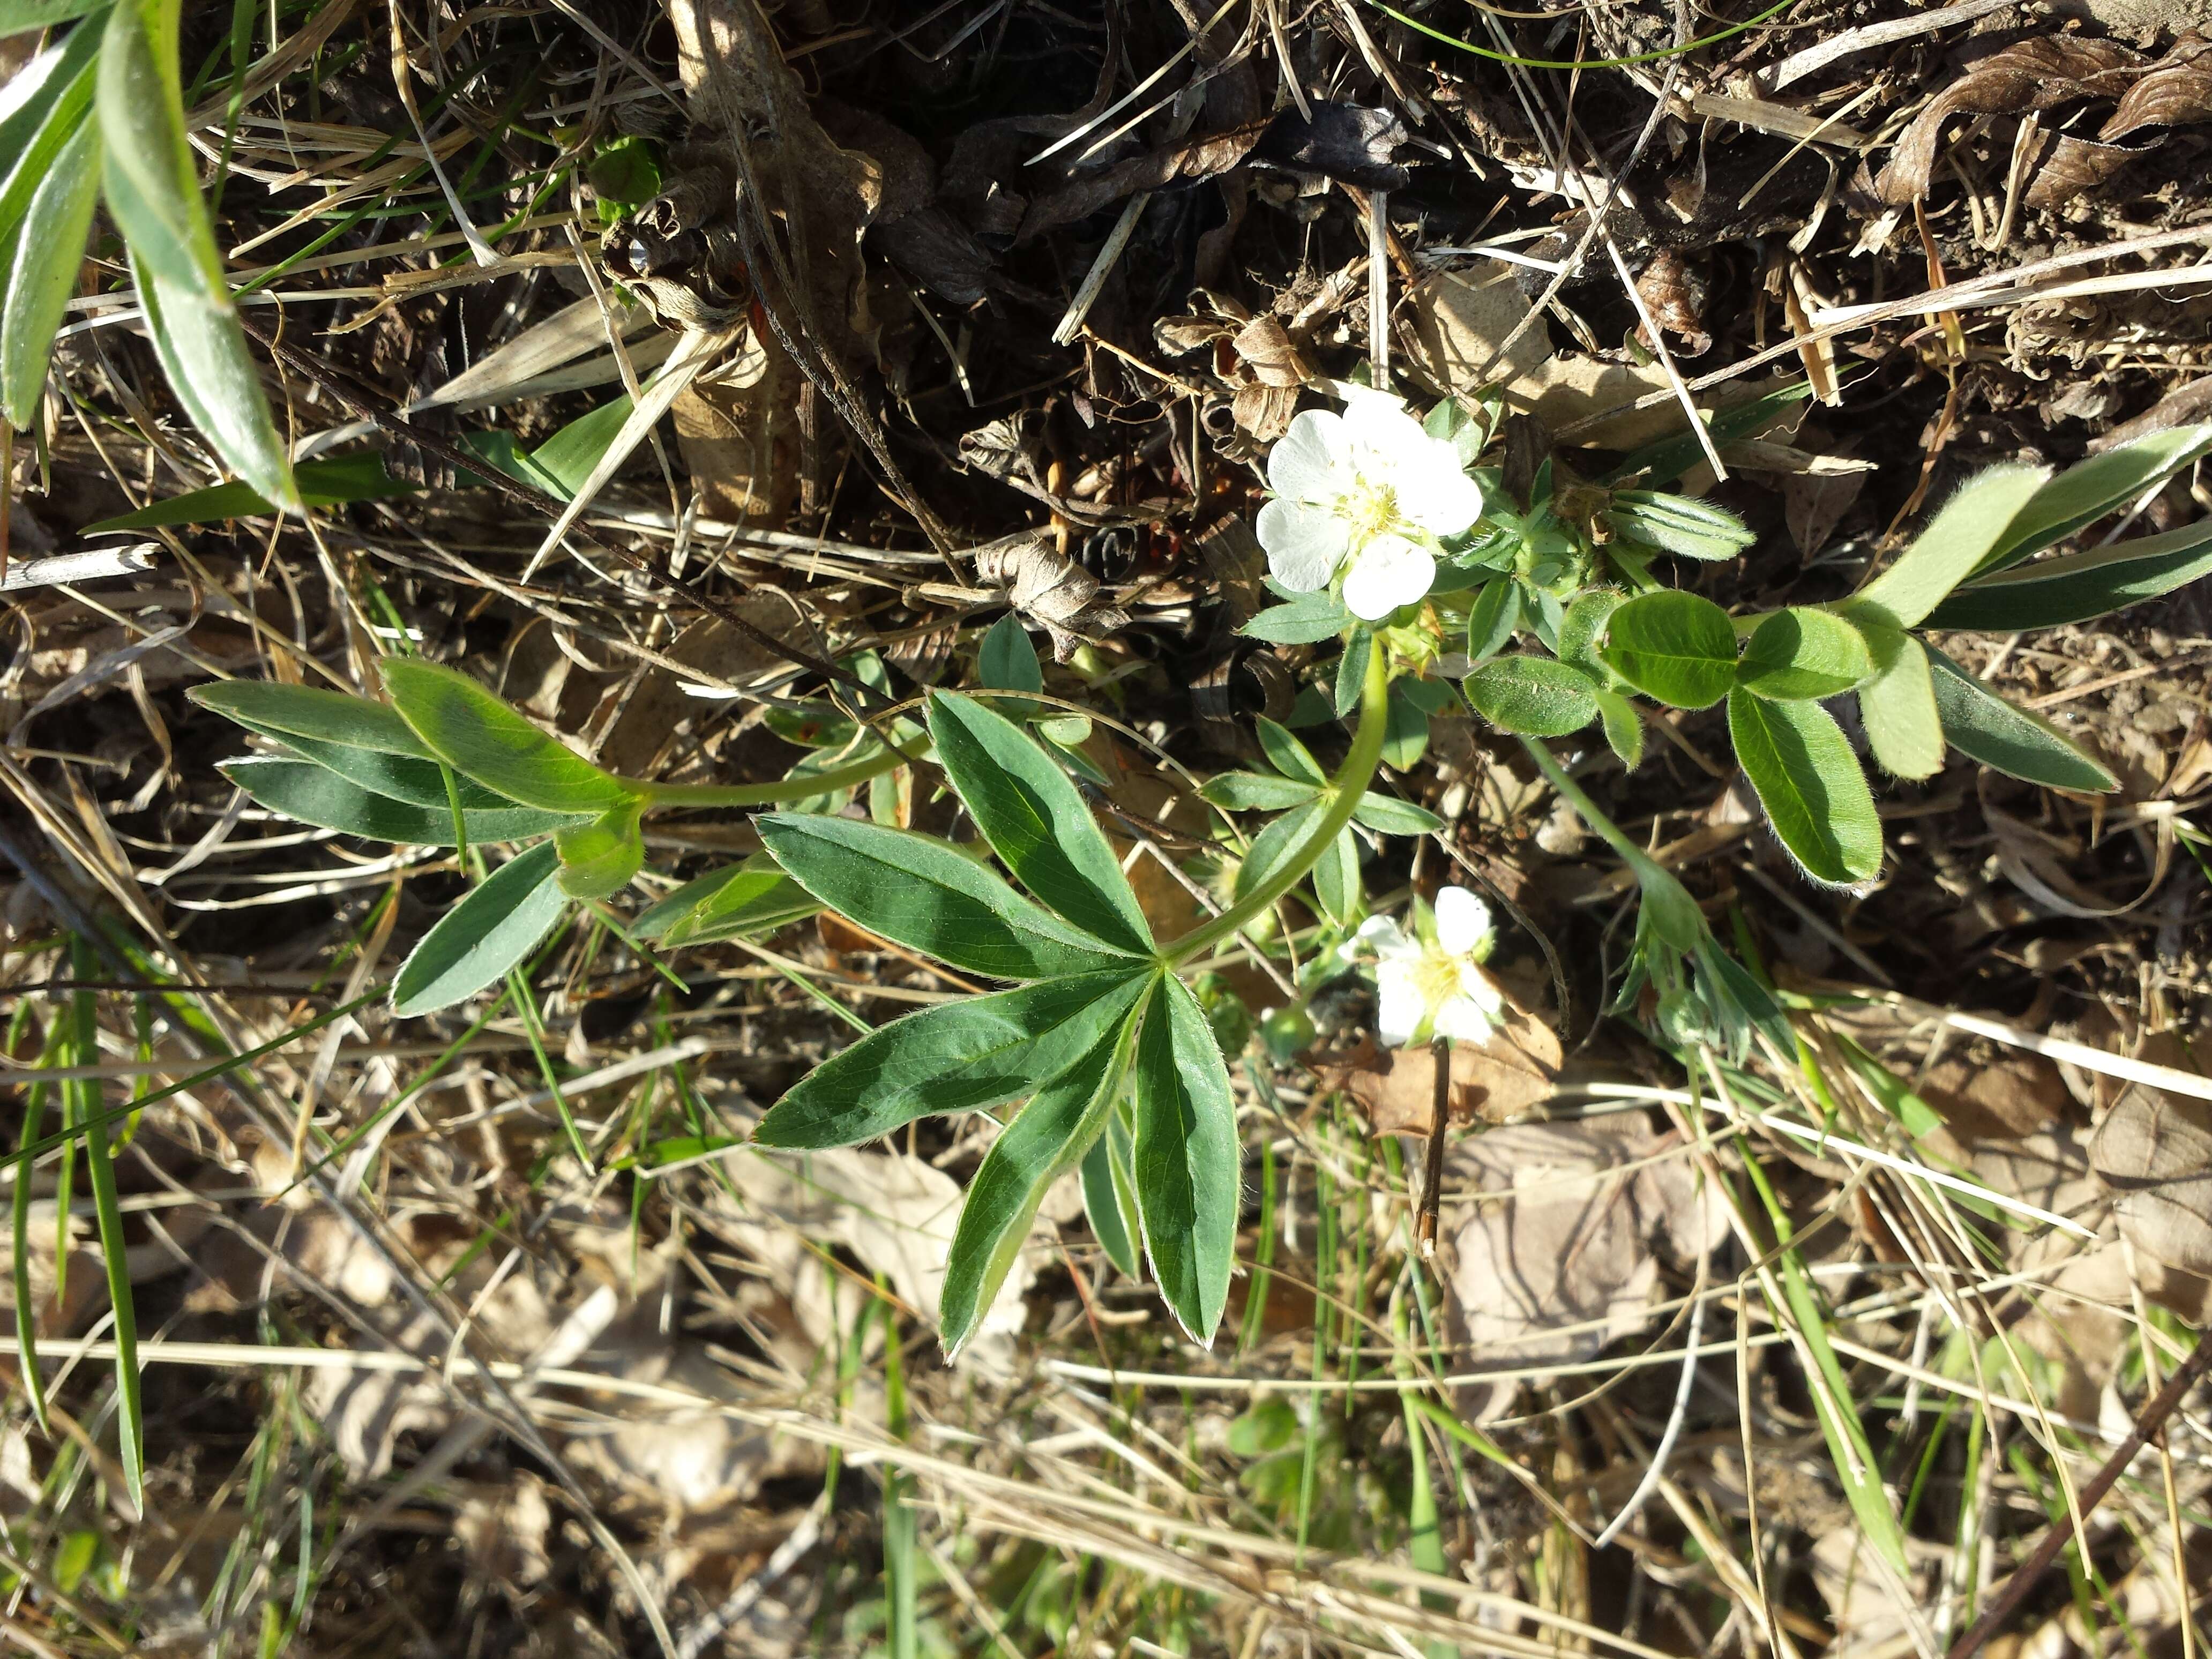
column 1350, row 783
column 1585, row 808
column 768, row 794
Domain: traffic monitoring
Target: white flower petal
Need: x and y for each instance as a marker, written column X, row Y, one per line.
column 1399, row 1009
column 1304, row 543
column 1462, row 922
column 1463, row 1021
column 1378, row 422
column 1387, row 572
column 1311, row 460
column 1484, row 992
column 1386, row 938
column 1434, row 493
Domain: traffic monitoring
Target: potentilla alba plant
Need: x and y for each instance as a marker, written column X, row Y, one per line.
column 1365, row 494
column 1429, row 983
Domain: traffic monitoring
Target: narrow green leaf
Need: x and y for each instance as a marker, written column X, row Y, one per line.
column 1008, row 661
column 1278, row 841
column 2104, row 483
column 114, row 1246
column 920, row 893
column 49, row 253
column 203, row 356
column 305, row 711
column 955, row 1057
column 599, row 857
column 1336, row 880
column 1680, row 525
column 1953, row 546
column 2080, row 586
column 481, row 738
column 1036, row 820
column 1351, row 670
column 1102, row 1204
column 21, row 16
column 1671, row 645
column 26, row 1300
column 418, row 782
column 1534, row 696
column 1667, row 459
column 493, row 929
column 1493, row 619
column 1386, row 815
column 1256, row 792
column 1982, row 726
column 1406, row 721
column 1286, row 754
column 314, row 794
column 1802, row 653
column 1624, row 730
column 754, row 897
column 1048, row 1137
column 337, row 481
column 153, row 182
column 41, row 106
column 1808, row 781
column 1308, row 619
column 1898, row 707
column 1188, row 1177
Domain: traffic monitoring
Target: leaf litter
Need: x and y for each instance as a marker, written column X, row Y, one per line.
column 1035, row 292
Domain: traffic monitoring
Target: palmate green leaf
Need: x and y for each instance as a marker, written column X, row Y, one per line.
column 957, row 1057
column 1188, row 1175
column 1048, row 1137
column 481, row 738
column 1493, row 619
column 599, row 857
column 41, row 106
column 1008, row 660
column 494, row 928
column 314, row 794
column 1109, row 1195
column 1801, row 653
column 2104, row 483
column 2080, row 586
column 919, row 892
column 49, row 253
column 1256, row 792
column 21, row 16
column 337, row 481
column 1536, row 697
column 754, row 897
column 1680, row 525
column 1898, row 707
column 307, row 711
column 1674, row 647
column 1806, row 778
column 1336, row 880
column 1953, row 546
column 1035, row 821
column 1982, row 726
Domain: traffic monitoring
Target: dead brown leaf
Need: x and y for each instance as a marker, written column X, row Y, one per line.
column 2065, row 166
column 1494, row 1081
column 2177, row 92
column 2155, row 1151
column 2038, row 74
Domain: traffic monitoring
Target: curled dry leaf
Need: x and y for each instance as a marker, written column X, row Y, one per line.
column 2177, row 92
column 1050, row 591
column 1554, row 1233
column 2155, row 1151
column 2065, row 166
column 2038, row 74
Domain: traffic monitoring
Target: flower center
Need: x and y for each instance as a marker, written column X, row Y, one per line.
column 1368, row 509
column 1438, row 977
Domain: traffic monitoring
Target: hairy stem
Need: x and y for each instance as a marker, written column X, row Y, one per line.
column 1350, row 783
column 768, row 794
column 1586, row 809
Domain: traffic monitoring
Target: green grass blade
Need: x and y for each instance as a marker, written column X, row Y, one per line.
column 100, row 1163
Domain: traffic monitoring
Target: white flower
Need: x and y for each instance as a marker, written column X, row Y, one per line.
column 1367, row 492
column 1435, row 987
